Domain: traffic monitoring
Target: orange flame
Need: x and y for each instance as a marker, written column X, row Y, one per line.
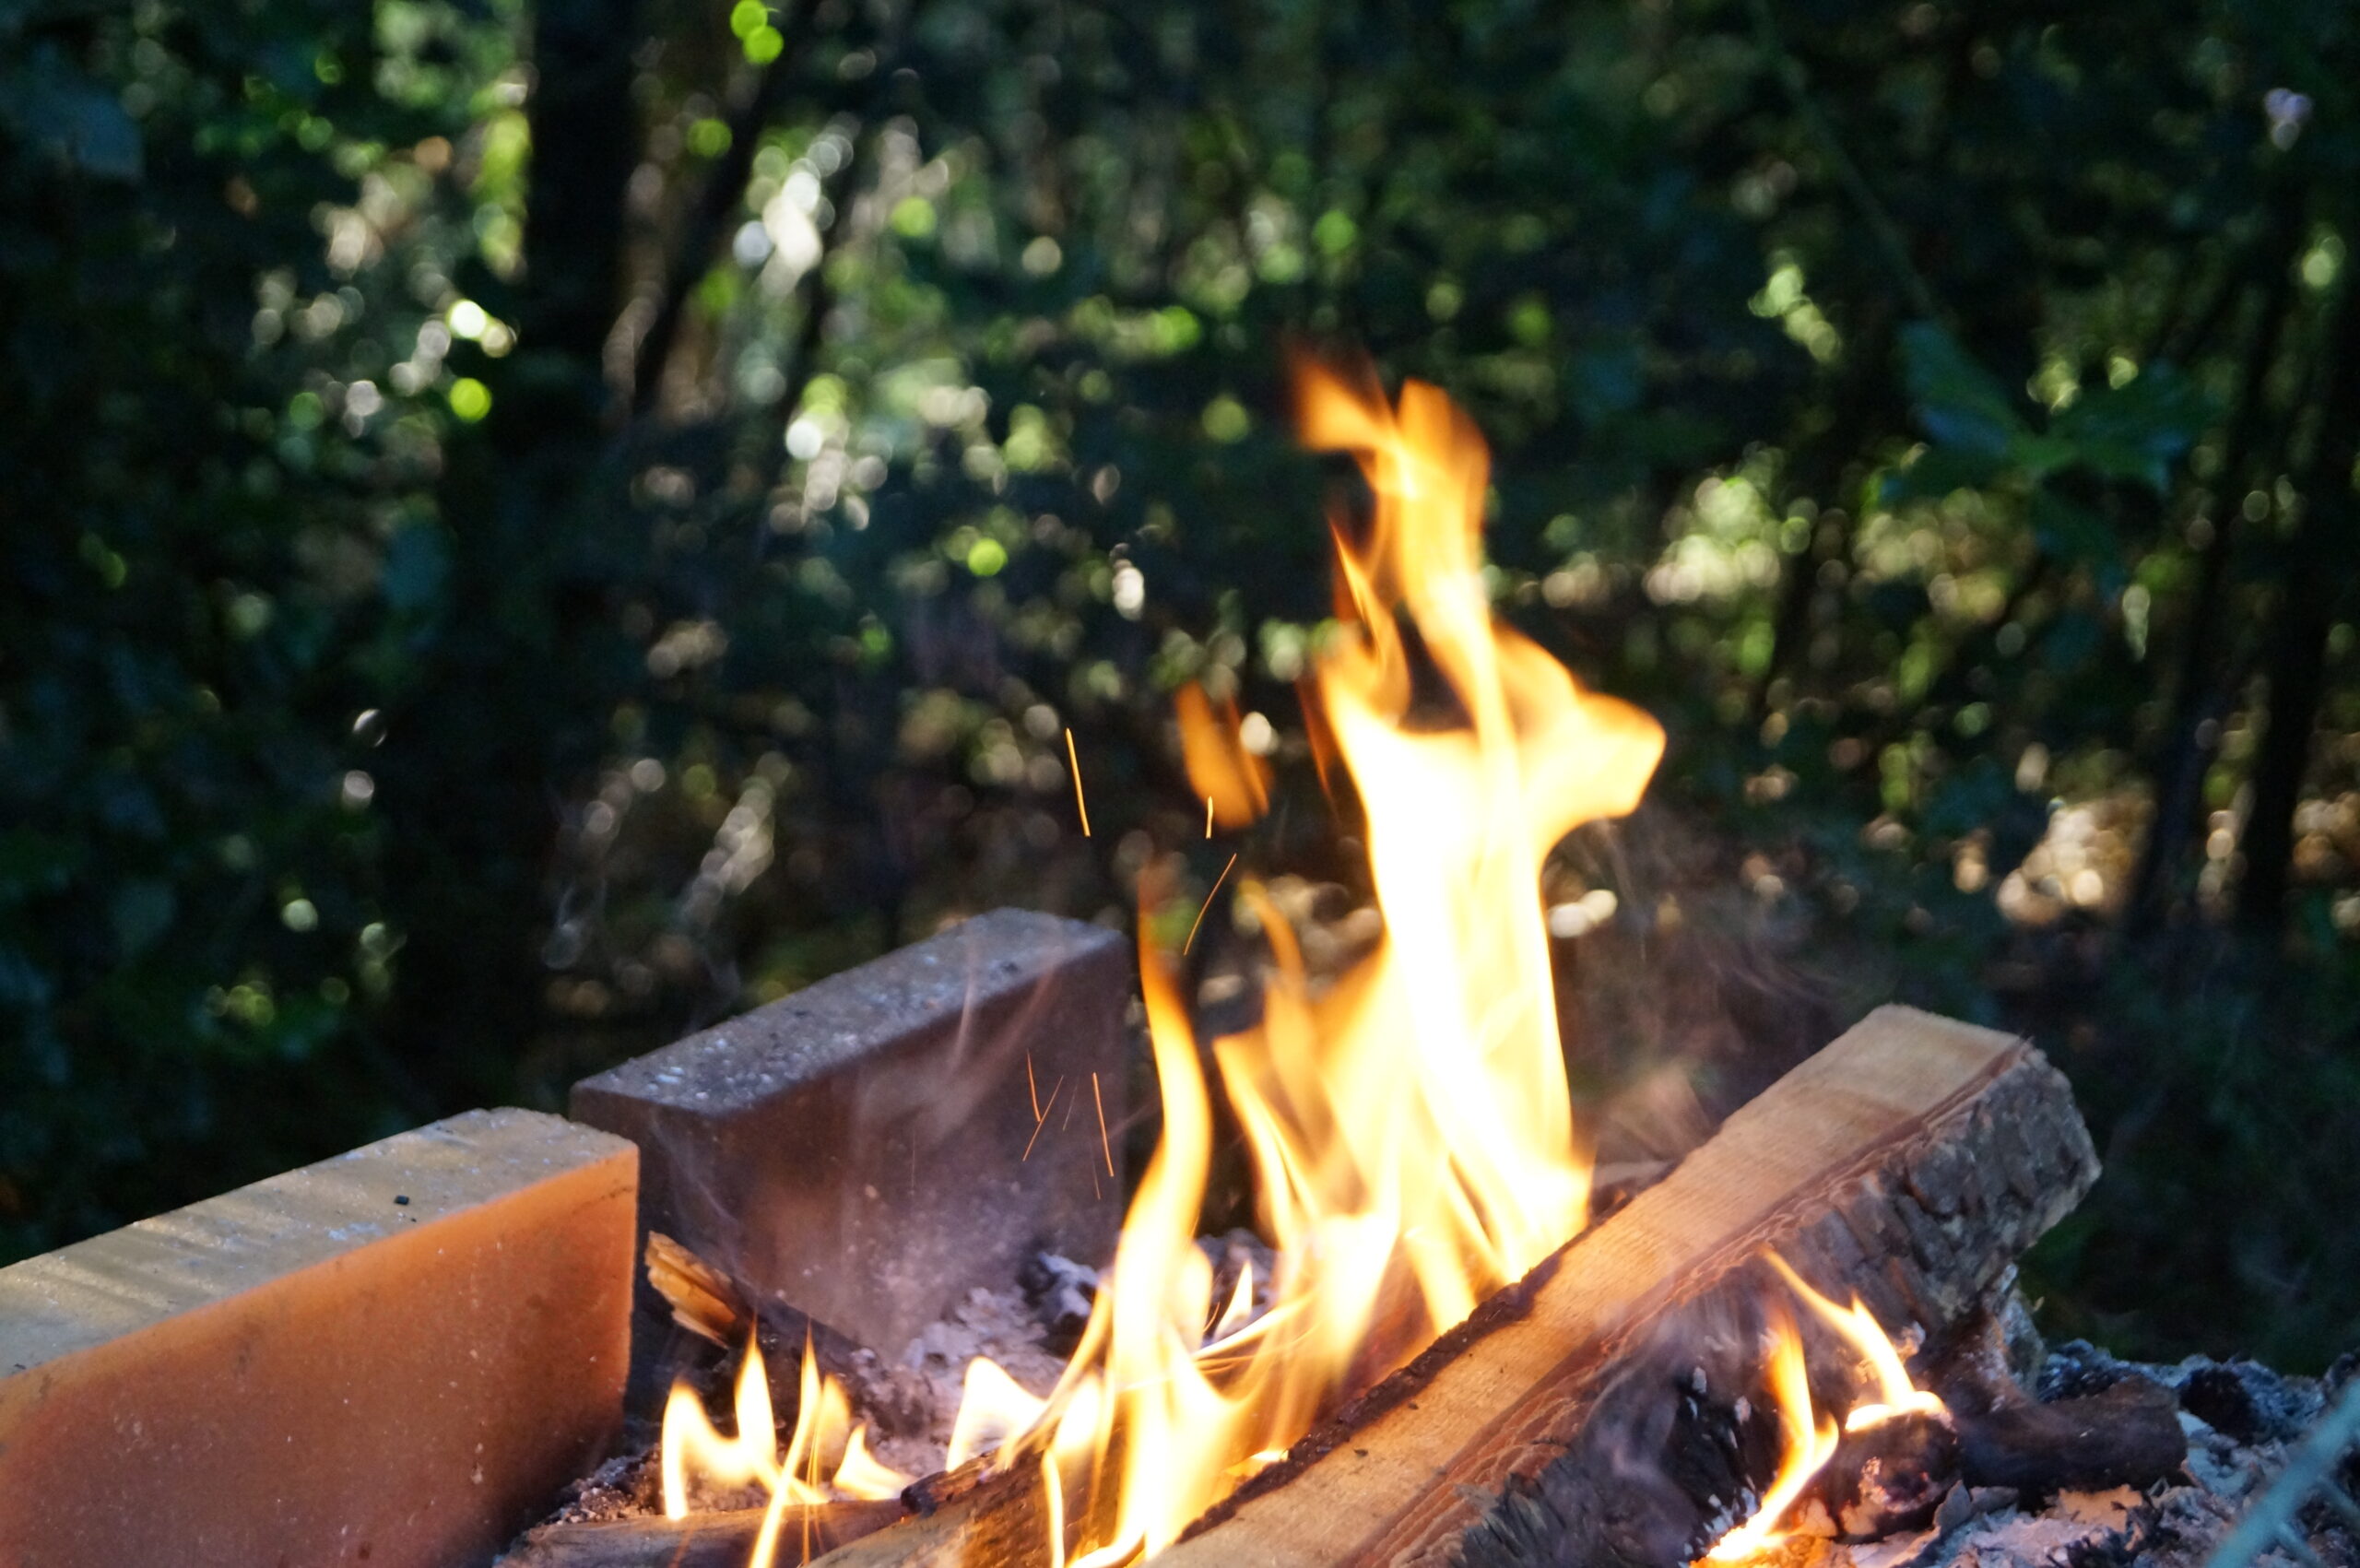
column 824, row 1443
column 1235, row 783
column 1898, row 1395
column 993, row 1408
column 1809, row 1444
column 1410, row 1128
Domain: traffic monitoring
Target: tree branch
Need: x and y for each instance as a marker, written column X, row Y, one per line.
column 716, row 204
column 2200, row 692
column 1881, row 228
column 2316, row 572
column 819, row 294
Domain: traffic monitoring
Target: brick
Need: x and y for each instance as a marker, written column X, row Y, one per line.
column 311, row 1371
column 859, row 1150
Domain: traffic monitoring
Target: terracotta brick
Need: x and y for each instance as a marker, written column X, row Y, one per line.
column 867, row 1149
column 393, row 1357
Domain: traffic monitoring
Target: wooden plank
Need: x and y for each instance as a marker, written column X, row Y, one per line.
column 1911, row 1160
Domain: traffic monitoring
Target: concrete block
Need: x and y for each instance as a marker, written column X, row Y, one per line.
column 868, row 1149
column 393, row 1357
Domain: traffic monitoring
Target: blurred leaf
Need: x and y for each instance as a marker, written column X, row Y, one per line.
column 417, row 562
column 51, row 105
column 23, row 983
column 2075, row 535
column 1937, row 471
column 142, row 911
column 2137, row 430
column 33, row 862
column 1960, row 403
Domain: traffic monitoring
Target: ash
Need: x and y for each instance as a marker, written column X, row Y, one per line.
column 626, row 1487
column 2240, row 1418
column 911, row 1400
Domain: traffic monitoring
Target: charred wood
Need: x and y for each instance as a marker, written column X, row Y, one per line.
column 722, row 1539
column 2129, row 1435
column 2123, row 1430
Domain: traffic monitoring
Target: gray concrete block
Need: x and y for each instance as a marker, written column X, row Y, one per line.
column 867, row 1149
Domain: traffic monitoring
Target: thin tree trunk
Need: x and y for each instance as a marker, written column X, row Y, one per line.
column 2198, row 692
column 585, row 137
column 1816, row 471
column 510, row 682
column 2318, row 566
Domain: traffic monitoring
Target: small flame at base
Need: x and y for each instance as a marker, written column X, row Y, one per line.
column 1808, row 1442
column 824, row 1443
column 1897, row 1396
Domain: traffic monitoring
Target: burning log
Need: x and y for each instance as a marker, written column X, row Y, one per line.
column 722, row 1539
column 1890, row 1475
column 1596, row 1413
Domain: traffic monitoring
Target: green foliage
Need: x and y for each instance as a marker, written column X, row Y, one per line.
column 191, row 919
column 408, row 700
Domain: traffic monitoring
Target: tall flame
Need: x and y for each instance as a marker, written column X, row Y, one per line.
column 1235, row 783
column 1411, row 1130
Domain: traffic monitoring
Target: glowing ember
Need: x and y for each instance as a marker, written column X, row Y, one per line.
column 1411, row 1130
column 826, row 1457
column 1807, row 1443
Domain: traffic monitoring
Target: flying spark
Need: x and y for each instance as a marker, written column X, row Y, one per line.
column 1104, row 1146
column 1080, row 804
column 1208, row 903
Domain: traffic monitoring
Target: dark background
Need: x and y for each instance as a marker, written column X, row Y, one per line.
column 525, row 528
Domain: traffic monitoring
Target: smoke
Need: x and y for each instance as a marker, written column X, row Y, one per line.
column 1690, row 998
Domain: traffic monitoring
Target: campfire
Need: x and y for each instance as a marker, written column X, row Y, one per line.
column 1800, row 1341
column 877, row 1232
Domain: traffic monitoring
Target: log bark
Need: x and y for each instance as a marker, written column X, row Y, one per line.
column 1609, row 1411
column 721, row 1539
